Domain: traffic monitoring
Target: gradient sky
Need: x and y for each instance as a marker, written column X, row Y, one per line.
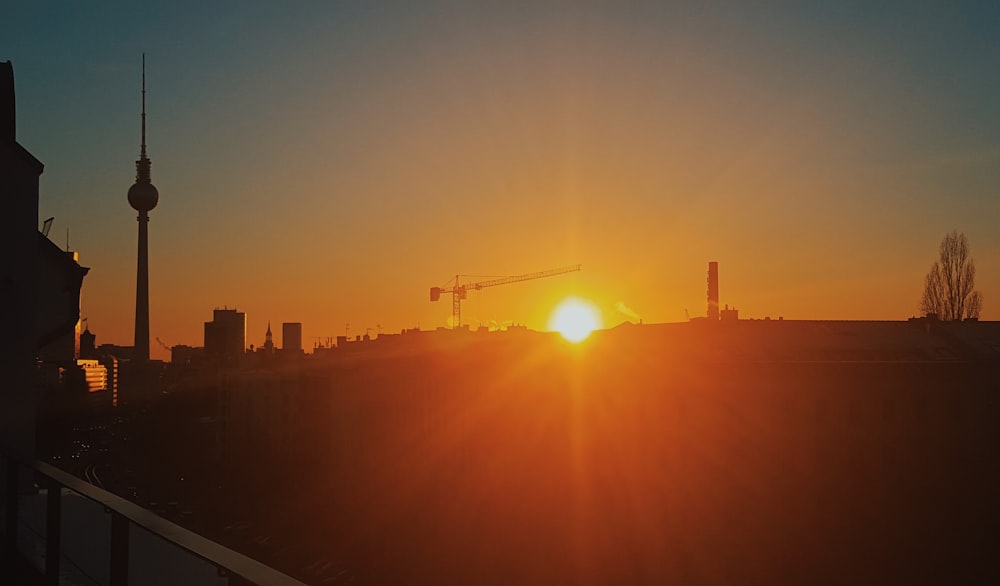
column 329, row 162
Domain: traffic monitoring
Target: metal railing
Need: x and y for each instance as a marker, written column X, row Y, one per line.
column 124, row 514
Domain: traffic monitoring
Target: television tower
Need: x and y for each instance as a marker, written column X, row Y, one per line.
column 142, row 196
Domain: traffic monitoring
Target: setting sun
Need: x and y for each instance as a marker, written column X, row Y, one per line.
column 574, row 319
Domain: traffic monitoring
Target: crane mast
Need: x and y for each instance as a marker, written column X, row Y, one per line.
column 460, row 291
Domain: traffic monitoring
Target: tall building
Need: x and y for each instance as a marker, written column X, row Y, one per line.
column 143, row 197
column 226, row 337
column 291, row 337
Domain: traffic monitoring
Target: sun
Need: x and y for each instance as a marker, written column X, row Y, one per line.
column 574, row 319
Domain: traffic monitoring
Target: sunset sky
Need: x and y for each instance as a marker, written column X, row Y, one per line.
column 329, row 162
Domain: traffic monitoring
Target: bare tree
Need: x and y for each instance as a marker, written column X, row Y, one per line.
column 949, row 289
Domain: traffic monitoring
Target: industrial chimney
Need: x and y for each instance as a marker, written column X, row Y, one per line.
column 713, row 291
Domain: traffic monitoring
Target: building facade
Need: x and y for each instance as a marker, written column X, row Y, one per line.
column 226, row 337
column 291, row 337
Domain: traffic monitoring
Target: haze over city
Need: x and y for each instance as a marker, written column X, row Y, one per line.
column 329, row 163
column 570, row 292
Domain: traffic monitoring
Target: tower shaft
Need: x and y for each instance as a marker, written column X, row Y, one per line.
column 141, row 352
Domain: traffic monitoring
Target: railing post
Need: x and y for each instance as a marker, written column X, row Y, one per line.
column 53, row 527
column 11, row 494
column 119, row 550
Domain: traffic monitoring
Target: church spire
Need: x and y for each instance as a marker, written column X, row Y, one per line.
column 268, row 341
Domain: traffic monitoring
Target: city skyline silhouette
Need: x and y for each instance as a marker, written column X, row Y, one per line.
column 327, row 165
column 723, row 284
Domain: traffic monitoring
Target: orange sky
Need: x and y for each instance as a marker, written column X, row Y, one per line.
column 329, row 167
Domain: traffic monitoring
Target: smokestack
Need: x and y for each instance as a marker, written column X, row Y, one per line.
column 713, row 291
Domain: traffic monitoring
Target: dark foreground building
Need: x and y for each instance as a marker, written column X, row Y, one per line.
column 750, row 452
column 19, row 173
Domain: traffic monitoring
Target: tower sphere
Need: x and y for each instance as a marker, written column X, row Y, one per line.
column 143, row 196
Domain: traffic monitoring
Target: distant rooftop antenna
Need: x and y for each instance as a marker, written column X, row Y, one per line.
column 46, row 226
column 67, row 239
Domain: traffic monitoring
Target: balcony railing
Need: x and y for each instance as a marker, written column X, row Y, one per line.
column 231, row 565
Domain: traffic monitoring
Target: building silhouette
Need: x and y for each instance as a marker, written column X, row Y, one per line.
column 185, row 355
column 226, row 337
column 88, row 344
column 143, row 197
column 268, row 347
column 291, row 337
column 58, row 324
column 19, row 173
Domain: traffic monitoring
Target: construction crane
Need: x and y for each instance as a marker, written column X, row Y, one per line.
column 460, row 291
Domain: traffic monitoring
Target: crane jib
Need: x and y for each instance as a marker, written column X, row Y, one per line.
column 460, row 292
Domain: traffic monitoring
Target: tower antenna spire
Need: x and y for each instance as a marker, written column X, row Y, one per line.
column 142, row 152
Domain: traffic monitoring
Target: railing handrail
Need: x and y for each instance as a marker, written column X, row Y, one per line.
column 214, row 553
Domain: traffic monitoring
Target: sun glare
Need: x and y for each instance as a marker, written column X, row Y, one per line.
column 574, row 319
